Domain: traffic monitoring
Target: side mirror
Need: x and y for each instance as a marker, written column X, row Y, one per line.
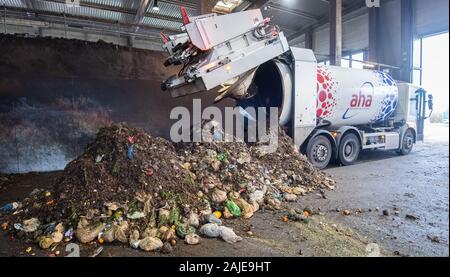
column 430, row 102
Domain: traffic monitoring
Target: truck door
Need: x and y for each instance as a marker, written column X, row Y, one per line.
column 421, row 108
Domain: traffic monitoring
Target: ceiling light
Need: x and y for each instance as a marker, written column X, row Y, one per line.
column 155, row 6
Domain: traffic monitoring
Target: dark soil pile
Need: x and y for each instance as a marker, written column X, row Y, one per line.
column 131, row 187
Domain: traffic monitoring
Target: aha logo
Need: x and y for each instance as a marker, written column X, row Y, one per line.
column 363, row 100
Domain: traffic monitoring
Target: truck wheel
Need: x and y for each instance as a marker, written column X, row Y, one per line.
column 349, row 149
column 319, row 151
column 408, row 143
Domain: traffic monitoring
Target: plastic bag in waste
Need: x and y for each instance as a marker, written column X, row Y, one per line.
column 57, row 236
column 130, row 152
column 210, row 230
column 274, row 203
column 88, row 233
column 255, row 206
column 213, row 230
column 258, row 195
column 233, row 208
column 193, row 219
column 134, row 239
column 99, row 158
column 136, row 215
column 168, row 235
column 244, row 158
column 226, row 213
column 192, row 239
column 183, row 230
column 163, row 217
column 59, row 228
column 216, row 165
column 150, row 244
column 30, row 225
column 68, row 235
column 161, row 231
column 245, row 207
column 121, row 233
column 211, row 218
column 218, row 196
column 150, row 232
column 290, row 197
column 109, row 234
column 210, row 182
column 228, row 235
column 10, row 207
column 45, row 242
column 174, row 216
column 48, row 229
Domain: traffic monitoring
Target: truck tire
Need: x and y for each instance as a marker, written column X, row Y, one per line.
column 349, row 149
column 408, row 143
column 319, row 151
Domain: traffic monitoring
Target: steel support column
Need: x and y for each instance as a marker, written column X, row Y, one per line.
column 374, row 47
column 309, row 38
column 407, row 36
column 335, row 32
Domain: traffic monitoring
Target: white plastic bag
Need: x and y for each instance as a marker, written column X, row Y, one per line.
column 210, row 230
column 228, row 235
column 150, row 244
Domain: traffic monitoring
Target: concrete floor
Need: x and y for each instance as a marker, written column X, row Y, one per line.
column 416, row 185
column 405, row 186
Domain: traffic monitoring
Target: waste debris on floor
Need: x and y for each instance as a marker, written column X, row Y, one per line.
column 129, row 187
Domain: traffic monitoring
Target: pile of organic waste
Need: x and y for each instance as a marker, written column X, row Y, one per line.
column 133, row 188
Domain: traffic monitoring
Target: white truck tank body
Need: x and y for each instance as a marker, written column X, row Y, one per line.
column 350, row 97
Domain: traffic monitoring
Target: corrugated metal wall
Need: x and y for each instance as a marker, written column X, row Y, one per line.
column 356, row 33
column 298, row 42
column 431, row 16
column 390, row 34
column 355, row 36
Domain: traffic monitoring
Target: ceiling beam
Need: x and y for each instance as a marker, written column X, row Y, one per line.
column 325, row 19
column 257, row 4
column 180, row 3
column 30, row 4
column 251, row 5
column 121, row 10
column 85, row 21
column 141, row 11
column 295, row 12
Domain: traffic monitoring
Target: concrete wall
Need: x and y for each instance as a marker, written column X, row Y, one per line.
column 56, row 93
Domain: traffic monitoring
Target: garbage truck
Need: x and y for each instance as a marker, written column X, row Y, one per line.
column 332, row 113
